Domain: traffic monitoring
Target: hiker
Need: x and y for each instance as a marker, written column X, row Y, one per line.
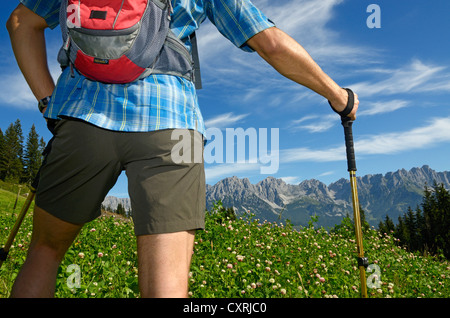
column 106, row 122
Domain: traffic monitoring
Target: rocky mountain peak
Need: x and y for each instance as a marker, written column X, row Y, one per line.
column 378, row 194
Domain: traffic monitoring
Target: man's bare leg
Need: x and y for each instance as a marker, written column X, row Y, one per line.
column 49, row 242
column 164, row 261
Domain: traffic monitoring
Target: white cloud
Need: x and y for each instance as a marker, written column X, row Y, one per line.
column 436, row 132
column 291, row 180
column 306, row 154
column 321, row 123
column 14, row 90
column 327, row 173
column 383, row 107
column 412, row 78
column 304, row 20
column 224, row 120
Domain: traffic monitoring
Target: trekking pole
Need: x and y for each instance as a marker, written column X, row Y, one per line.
column 31, row 194
column 347, row 123
column 363, row 262
column 5, row 250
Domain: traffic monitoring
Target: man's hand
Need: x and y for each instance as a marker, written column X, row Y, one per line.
column 291, row 60
column 26, row 31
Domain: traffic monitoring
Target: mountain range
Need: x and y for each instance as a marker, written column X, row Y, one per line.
column 274, row 200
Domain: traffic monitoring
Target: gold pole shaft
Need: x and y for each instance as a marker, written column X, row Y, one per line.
column 358, row 232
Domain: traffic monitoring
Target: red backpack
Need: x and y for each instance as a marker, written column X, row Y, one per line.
column 121, row 41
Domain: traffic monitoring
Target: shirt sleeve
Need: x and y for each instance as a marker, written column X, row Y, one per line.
column 237, row 20
column 47, row 9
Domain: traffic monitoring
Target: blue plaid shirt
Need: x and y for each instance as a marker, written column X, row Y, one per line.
column 158, row 101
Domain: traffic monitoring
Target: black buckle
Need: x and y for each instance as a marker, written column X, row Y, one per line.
column 363, row 261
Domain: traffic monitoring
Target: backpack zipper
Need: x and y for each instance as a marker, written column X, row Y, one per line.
column 117, row 16
column 179, row 47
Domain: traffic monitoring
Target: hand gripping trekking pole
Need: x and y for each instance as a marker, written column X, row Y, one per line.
column 351, row 163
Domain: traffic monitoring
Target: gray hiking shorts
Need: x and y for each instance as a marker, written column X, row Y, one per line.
column 85, row 161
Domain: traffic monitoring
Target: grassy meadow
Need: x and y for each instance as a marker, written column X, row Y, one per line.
column 236, row 257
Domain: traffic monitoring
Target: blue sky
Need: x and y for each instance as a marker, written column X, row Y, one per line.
column 400, row 72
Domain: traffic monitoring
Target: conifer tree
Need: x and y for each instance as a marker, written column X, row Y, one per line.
column 33, row 156
column 428, row 228
column 436, row 209
column 409, row 220
column 388, row 226
column 120, row 209
column 11, row 164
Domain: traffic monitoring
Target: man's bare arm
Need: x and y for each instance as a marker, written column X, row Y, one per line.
column 26, row 31
column 291, row 60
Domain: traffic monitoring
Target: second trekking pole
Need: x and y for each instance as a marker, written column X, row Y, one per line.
column 5, row 250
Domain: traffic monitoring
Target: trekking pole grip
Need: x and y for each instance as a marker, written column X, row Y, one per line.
column 348, row 131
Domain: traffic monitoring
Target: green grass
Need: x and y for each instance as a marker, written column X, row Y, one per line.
column 236, row 258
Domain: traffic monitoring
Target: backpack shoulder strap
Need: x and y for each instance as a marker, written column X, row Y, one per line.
column 195, row 57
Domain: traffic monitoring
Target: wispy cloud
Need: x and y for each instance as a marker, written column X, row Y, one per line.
column 383, row 107
column 291, row 179
column 436, row 132
column 304, row 20
column 14, row 90
column 412, row 78
column 407, row 81
column 317, row 123
column 327, row 173
column 323, row 123
column 307, row 154
column 224, row 120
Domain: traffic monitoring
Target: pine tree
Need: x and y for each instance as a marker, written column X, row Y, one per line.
column 120, row 209
column 426, row 229
column 364, row 224
column 421, row 233
column 412, row 230
column 33, row 156
column 11, row 164
column 400, row 231
column 388, row 226
column 429, row 206
column 42, row 146
column 442, row 222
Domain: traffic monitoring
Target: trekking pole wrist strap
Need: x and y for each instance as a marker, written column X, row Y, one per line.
column 350, row 104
